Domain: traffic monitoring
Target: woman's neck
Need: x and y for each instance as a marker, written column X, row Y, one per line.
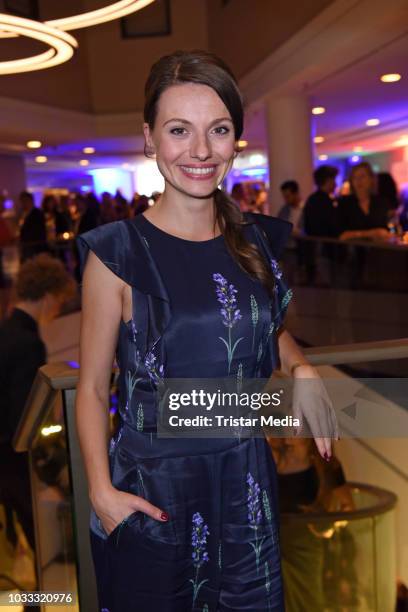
column 184, row 216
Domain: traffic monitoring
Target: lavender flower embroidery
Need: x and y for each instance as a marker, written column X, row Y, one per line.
column 239, row 378
column 277, row 272
column 155, row 374
column 254, row 317
column 113, row 443
column 140, row 418
column 266, row 506
column 286, row 298
column 267, row 584
column 254, row 515
column 132, row 381
column 229, row 312
column 199, row 555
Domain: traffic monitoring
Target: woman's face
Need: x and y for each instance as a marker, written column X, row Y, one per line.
column 362, row 181
column 193, row 139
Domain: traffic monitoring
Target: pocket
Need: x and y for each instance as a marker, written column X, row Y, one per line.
column 114, row 535
column 151, row 479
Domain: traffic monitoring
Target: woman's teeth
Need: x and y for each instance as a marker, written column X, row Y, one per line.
column 198, row 171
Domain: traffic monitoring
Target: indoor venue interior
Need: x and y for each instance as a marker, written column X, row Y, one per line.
column 324, row 146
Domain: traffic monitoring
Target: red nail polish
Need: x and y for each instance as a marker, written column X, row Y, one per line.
column 164, row 516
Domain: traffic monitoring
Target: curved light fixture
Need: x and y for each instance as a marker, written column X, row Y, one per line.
column 61, row 44
column 53, row 33
column 85, row 20
column 102, row 15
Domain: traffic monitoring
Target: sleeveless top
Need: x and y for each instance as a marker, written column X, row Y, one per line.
column 195, row 312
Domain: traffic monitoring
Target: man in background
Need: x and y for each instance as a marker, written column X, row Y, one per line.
column 292, row 210
column 33, row 232
column 42, row 286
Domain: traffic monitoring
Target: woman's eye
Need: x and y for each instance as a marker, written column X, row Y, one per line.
column 179, row 131
column 222, row 129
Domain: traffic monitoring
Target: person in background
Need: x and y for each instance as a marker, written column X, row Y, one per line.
column 121, row 206
column 88, row 208
column 239, row 194
column 307, row 483
column 140, row 205
column 108, row 213
column 292, row 210
column 321, row 220
column 42, row 286
column 63, row 219
column 320, row 211
column 387, row 191
column 363, row 214
column 33, row 231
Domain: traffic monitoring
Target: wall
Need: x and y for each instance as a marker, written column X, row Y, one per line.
column 119, row 67
column 12, row 175
column 244, row 33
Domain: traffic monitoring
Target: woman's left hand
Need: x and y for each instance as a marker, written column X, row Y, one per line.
column 311, row 403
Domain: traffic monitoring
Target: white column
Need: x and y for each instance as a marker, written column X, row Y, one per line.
column 290, row 150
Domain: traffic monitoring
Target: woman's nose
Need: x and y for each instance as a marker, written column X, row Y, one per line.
column 200, row 147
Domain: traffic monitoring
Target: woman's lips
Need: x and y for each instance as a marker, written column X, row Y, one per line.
column 199, row 173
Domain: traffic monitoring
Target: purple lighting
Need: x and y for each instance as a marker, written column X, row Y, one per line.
column 355, row 159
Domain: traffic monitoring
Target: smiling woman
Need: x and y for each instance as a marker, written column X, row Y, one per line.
column 202, row 295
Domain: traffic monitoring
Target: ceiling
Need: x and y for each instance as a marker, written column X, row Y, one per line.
column 351, row 96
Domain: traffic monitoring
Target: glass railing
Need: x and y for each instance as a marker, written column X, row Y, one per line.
column 338, row 558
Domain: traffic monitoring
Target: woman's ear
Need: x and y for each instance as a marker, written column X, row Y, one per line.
column 149, row 148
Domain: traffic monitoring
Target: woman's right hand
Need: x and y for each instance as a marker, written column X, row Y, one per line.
column 113, row 506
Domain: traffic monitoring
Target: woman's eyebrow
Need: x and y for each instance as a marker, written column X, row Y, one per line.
column 186, row 122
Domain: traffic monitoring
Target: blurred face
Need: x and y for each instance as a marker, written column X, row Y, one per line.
column 193, row 139
column 290, row 197
column 362, row 181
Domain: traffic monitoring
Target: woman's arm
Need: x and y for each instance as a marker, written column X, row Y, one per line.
column 318, row 412
column 100, row 319
column 102, row 298
column 376, row 233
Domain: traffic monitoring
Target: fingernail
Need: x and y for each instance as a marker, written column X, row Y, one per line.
column 164, row 516
column 326, row 456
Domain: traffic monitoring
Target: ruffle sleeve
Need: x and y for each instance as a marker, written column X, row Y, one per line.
column 108, row 242
column 123, row 249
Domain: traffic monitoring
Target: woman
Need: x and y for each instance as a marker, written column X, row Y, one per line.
column 363, row 214
column 177, row 524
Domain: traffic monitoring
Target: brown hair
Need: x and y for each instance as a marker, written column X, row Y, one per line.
column 205, row 68
column 43, row 274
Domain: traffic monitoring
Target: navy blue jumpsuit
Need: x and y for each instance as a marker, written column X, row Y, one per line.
column 195, row 314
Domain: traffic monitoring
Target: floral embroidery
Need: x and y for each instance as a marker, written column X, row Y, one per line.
column 113, row 443
column 276, row 269
column 260, row 351
column 239, row 378
column 267, row 584
column 140, row 418
column 254, row 515
column 132, row 381
column 229, row 312
column 200, row 555
column 254, row 317
column 266, row 505
column 286, row 298
column 155, row 374
column 139, row 473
